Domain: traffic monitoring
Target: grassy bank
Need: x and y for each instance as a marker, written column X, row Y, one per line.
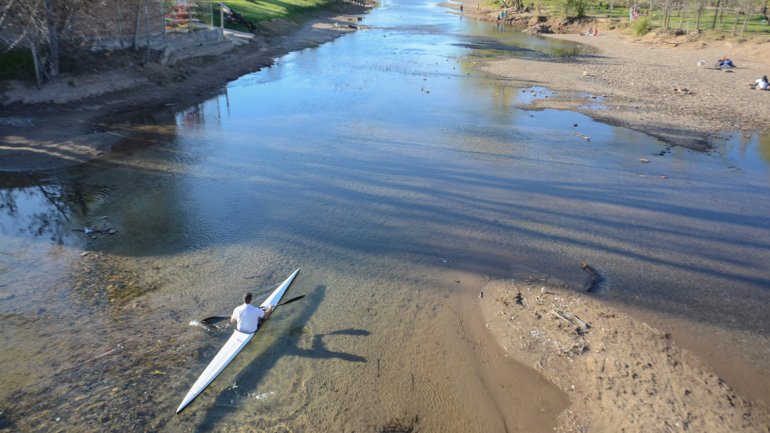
column 706, row 16
column 262, row 10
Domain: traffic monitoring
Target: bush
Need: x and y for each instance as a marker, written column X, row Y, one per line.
column 16, row 64
column 576, row 6
column 641, row 26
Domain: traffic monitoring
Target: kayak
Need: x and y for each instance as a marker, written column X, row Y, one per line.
column 233, row 346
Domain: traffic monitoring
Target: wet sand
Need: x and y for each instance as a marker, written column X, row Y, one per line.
column 621, row 374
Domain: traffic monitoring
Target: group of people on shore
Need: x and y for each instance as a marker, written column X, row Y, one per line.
column 726, row 63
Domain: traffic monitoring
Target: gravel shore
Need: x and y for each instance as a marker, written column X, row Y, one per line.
column 654, row 86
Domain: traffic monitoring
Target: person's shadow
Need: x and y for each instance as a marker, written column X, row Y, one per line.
column 250, row 376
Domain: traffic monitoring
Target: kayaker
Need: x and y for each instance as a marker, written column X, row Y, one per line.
column 247, row 317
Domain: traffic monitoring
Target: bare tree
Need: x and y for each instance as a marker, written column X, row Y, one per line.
column 53, row 38
column 747, row 5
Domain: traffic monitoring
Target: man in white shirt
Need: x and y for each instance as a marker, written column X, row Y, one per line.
column 762, row 83
column 247, row 317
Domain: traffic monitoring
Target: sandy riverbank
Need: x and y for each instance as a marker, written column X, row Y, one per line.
column 620, row 373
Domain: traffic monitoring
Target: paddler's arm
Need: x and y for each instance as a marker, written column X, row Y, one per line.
column 267, row 311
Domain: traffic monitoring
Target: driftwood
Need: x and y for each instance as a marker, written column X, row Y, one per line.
column 596, row 277
column 581, row 326
column 584, row 137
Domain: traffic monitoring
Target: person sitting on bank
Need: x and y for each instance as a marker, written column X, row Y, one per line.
column 762, row 83
column 724, row 62
column 247, row 317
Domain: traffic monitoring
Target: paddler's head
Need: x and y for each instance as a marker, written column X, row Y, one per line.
column 247, row 298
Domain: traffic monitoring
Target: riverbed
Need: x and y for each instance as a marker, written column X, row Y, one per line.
column 399, row 179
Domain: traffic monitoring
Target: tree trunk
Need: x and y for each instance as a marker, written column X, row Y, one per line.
column 36, row 62
column 53, row 39
column 716, row 12
column 136, row 27
column 147, row 30
column 735, row 22
column 701, row 6
column 120, row 23
column 746, row 14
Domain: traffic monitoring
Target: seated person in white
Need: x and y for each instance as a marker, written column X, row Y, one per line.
column 247, row 317
column 762, row 83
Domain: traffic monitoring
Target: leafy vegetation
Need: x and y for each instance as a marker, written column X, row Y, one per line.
column 16, row 64
column 744, row 18
column 641, row 26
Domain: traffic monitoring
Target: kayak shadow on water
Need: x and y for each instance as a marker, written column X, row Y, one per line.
column 249, row 377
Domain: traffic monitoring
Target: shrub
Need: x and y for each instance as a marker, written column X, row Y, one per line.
column 16, row 64
column 641, row 26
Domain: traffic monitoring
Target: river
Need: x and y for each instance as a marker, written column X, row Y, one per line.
column 399, row 179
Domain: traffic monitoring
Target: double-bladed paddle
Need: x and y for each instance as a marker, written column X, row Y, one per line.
column 213, row 320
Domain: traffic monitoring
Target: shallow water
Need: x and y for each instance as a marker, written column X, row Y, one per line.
column 396, row 177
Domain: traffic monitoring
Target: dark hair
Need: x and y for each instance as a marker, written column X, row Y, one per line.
column 247, row 298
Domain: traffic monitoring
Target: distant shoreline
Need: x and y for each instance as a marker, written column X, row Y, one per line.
column 649, row 85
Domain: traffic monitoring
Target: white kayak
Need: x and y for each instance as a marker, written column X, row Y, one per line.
column 233, row 346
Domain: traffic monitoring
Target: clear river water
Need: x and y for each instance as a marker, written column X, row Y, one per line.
column 397, row 177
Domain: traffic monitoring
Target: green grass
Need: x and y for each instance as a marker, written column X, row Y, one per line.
column 258, row 10
column 16, row 64
column 724, row 25
column 261, row 10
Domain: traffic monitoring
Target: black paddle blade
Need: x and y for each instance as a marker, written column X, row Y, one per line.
column 291, row 300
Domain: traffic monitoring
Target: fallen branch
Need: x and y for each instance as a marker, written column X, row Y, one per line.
column 584, row 137
column 572, row 319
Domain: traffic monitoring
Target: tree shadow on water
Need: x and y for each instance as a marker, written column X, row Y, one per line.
column 250, row 376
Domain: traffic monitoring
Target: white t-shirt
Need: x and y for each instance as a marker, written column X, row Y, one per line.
column 761, row 84
column 248, row 317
